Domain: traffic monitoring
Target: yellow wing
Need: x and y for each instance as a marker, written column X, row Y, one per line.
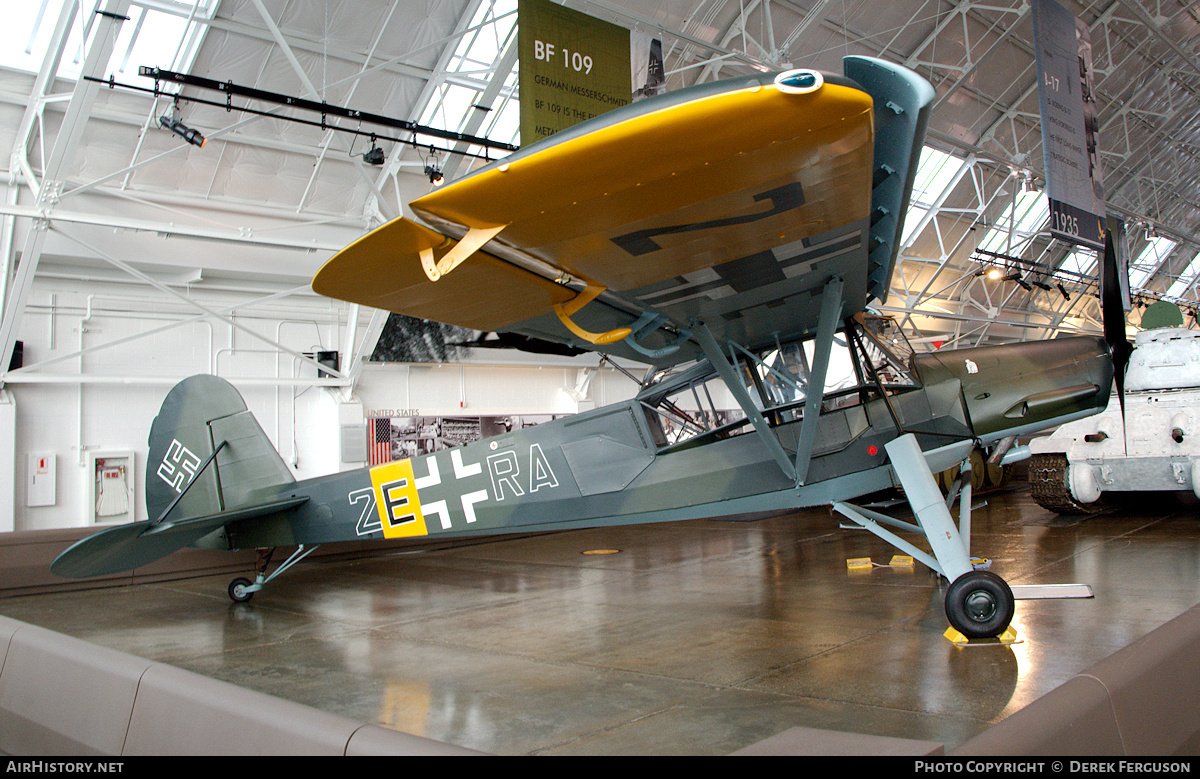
column 383, row 270
column 685, row 186
column 731, row 203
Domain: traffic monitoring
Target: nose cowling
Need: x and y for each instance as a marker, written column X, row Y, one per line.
column 1013, row 389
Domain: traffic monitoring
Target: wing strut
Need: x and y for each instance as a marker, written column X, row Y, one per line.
column 831, row 310
column 729, row 375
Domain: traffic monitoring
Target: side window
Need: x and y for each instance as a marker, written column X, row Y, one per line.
column 867, row 358
column 695, row 409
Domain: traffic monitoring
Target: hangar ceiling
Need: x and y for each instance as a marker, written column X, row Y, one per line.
column 94, row 181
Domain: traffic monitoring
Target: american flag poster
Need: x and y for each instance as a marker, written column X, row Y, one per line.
column 380, row 445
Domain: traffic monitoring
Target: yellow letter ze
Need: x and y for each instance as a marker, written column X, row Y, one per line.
column 397, row 499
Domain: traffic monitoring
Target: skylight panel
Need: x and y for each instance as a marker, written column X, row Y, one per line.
column 166, row 35
column 911, row 219
column 934, row 173
column 1184, row 283
column 1149, row 261
column 1026, row 217
column 468, row 73
column 1081, row 261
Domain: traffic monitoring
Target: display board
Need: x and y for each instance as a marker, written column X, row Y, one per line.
column 1066, row 98
column 573, row 67
column 398, row 437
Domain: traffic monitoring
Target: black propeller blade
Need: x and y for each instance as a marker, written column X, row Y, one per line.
column 1112, row 308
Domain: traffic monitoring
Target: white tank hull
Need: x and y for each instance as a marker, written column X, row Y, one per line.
column 1157, row 448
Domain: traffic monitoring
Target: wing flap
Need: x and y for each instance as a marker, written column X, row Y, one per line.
column 903, row 100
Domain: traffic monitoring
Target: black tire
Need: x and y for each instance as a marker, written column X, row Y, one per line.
column 237, row 590
column 979, row 604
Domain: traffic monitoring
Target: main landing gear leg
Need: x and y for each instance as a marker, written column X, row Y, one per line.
column 979, row 604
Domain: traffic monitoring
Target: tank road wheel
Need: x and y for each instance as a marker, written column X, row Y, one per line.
column 946, row 479
column 995, row 475
column 978, row 470
column 238, row 590
column 979, row 604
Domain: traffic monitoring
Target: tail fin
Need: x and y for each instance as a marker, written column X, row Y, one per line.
column 199, row 414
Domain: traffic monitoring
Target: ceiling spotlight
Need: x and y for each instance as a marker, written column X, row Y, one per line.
column 172, row 123
column 374, row 156
column 1063, row 290
column 1016, row 276
column 433, row 171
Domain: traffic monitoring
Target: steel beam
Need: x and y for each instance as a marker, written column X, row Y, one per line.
column 107, row 27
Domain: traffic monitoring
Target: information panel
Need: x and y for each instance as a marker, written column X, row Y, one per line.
column 573, row 67
column 1068, row 107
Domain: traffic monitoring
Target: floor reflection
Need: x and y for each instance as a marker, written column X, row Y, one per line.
column 695, row 638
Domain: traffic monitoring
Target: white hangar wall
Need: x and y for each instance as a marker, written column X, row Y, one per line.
column 102, row 354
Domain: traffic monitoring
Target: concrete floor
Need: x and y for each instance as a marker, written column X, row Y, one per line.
column 694, row 638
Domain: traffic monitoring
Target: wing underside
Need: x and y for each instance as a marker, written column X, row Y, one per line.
column 730, row 204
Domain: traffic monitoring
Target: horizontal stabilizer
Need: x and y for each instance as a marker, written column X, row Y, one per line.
column 126, row 547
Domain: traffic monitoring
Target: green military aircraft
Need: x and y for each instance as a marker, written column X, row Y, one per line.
column 730, row 236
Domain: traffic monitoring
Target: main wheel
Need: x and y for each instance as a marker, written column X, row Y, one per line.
column 979, row 604
column 238, row 590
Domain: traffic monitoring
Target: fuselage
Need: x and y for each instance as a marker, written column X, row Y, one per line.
column 621, row 465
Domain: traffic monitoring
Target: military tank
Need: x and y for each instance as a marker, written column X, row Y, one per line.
column 1153, row 447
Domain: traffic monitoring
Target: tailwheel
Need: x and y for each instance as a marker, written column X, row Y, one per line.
column 241, row 590
column 979, row 604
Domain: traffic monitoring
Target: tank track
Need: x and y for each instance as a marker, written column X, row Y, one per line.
column 1048, row 486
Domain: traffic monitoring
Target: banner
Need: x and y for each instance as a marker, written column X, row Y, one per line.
column 573, row 67
column 1066, row 98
